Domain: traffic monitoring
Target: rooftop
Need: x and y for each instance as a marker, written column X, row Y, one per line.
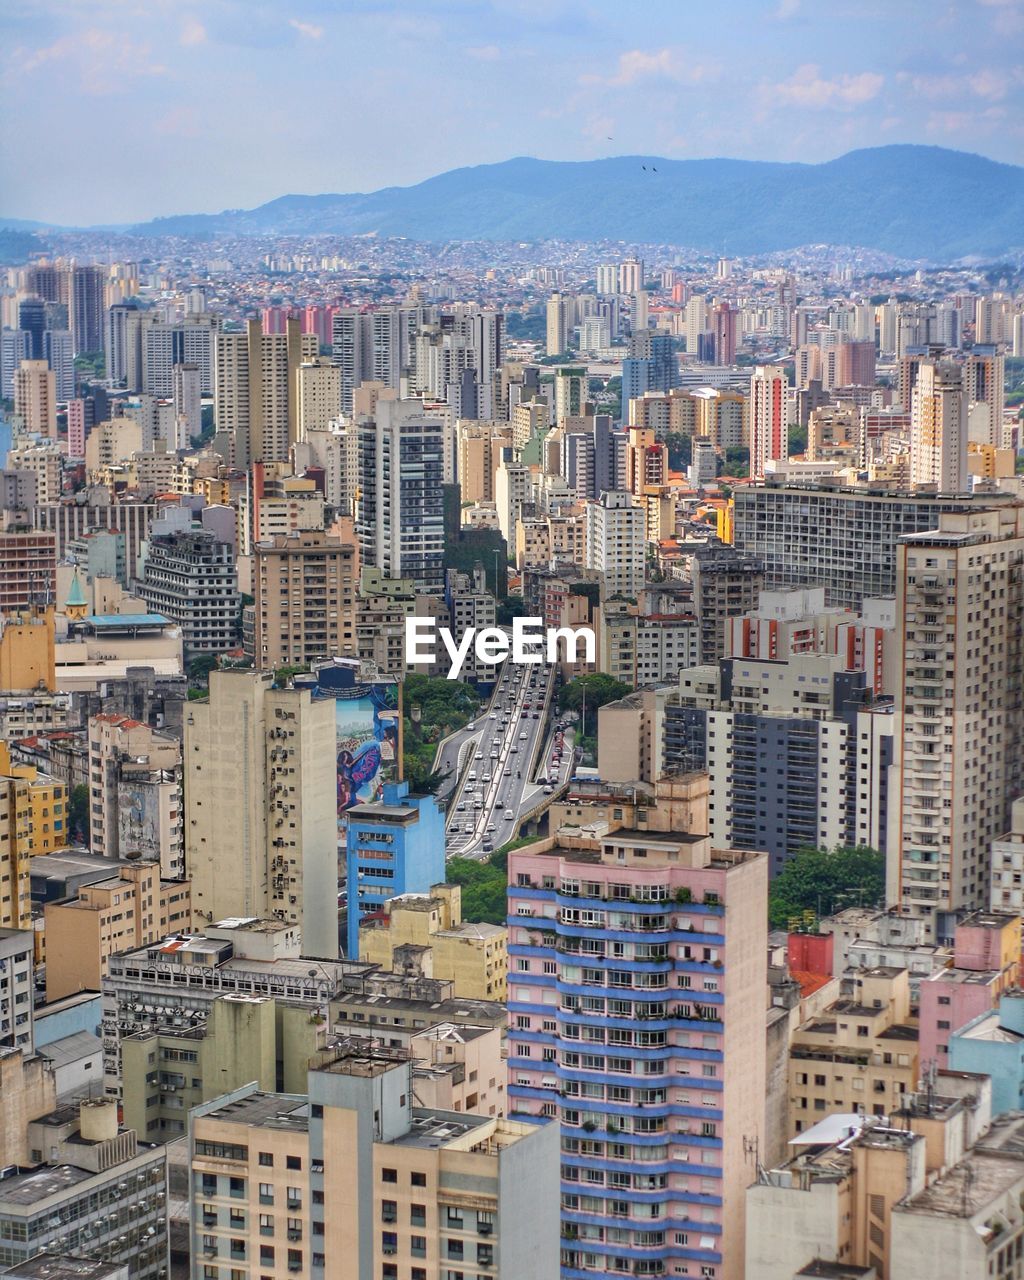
column 969, row 1187
column 267, row 1110
column 438, row 1128
column 59, row 1266
column 26, row 1189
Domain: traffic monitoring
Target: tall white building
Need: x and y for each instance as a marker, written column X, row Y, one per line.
column 400, row 511
column 769, row 436
column 59, row 352
column 557, row 325
column 938, row 428
column 615, row 544
column 261, row 803
column 960, row 726
column 186, row 392
column 607, row 278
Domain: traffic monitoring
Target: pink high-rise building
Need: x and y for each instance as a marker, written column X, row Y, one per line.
column 637, row 971
column 319, row 320
column 275, row 319
column 769, row 433
column 76, row 428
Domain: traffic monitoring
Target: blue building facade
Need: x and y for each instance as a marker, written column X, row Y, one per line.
column 393, row 846
column 992, row 1044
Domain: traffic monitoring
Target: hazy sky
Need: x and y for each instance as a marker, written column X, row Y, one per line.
column 116, row 110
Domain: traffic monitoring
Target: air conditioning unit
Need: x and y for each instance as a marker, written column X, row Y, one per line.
column 485, row 1228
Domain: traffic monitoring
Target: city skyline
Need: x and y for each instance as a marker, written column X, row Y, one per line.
column 187, row 88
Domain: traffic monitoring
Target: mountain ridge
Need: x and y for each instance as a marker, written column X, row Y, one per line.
column 904, row 199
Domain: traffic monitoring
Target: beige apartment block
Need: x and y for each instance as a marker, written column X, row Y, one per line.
column 354, row 1180
column 261, row 806
column 131, row 909
column 473, row 957
column 858, row 1055
column 305, row 588
column 35, row 397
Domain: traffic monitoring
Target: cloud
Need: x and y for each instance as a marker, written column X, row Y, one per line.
column 307, row 29
column 806, row 87
column 192, row 33
column 105, row 60
column 787, row 9
column 484, row 52
column 672, row 64
column 989, row 83
column 179, row 122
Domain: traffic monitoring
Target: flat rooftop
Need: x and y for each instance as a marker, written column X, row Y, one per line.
column 60, row 1266
column 969, row 1187
column 438, row 1128
column 26, row 1190
column 267, row 1110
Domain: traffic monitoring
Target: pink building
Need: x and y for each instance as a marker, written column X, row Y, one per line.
column 986, row 961
column 319, row 320
column 76, row 428
column 637, row 972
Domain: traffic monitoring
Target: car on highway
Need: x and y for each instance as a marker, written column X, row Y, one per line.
column 460, row 806
column 509, row 816
column 523, row 736
column 548, row 790
column 470, row 727
column 479, row 755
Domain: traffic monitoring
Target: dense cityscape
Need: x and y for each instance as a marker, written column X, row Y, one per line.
column 511, row 745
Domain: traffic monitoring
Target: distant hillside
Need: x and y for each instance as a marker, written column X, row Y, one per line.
column 906, row 200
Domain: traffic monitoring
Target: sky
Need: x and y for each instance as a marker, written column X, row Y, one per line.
column 115, row 111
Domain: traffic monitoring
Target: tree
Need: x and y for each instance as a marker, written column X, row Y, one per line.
column 821, row 881
column 441, row 706
column 737, row 461
column 199, row 670
column 680, row 450
column 797, row 440
column 509, row 608
column 78, row 814
column 598, row 689
column 484, row 887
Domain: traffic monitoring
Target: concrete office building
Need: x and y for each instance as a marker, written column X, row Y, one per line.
column 839, row 536
column 958, row 599
column 394, row 846
column 261, row 804
column 655, row 1087
column 93, row 1192
column 400, row 512
column 191, row 578
column 305, row 590
column 355, row 1175
column 171, row 985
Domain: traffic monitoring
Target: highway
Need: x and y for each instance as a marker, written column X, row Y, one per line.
column 501, row 763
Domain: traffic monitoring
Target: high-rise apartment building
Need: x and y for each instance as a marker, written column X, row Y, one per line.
column 305, row 588
column 84, row 298
column 556, row 338
column 186, row 396
column 636, row 1024
column 769, row 432
column 631, row 275
column 35, row 397
column 938, row 428
column 261, row 802
column 615, row 543
column 15, row 346
column 400, row 512
column 256, row 389
column 192, row 579
column 319, row 394
column 840, row 536
column 960, row 723
column 726, row 584
column 357, row 1180
column 58, row 352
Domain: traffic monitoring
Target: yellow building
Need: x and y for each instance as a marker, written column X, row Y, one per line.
column 135, row 907
column 858, row 1055
column 474, row 957
column 48, row 801
column 27, row 654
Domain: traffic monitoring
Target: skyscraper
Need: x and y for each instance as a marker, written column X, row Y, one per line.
column 960, row 727
column 261, row 803
column 615, row 543
column 557, row 325
column 57, row 350
column 938, row 428
column 400, row 513
column 35, row 397
column 84, row 300
column 769, row 438
column 636, row 1022
column 256, row 395
column 15, row 346
column 32, row 320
